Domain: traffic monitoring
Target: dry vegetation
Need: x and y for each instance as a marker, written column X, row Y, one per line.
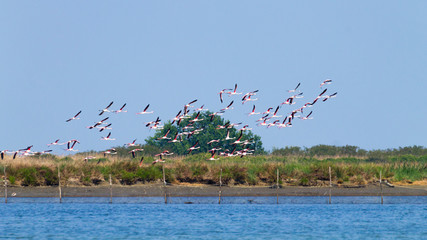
column 250, row 170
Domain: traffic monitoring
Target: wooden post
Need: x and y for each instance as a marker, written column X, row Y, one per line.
column 5, row 184
column 59, row 186
column 381, row 187
column 220, row 185
column 277, row 186
column 111, row 190
column 330, row 184
column 164, row 183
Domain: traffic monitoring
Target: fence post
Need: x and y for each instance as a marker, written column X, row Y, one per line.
column 111, row 190
column 59, row 186
column 277, row 186
column 220, row 185
column 330, row 184
column 164, row 183
column 5, row 184
column 381, row 187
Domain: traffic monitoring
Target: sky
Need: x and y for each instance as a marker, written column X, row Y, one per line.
column 57, row 58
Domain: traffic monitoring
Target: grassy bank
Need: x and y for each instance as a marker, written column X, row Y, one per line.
column 250, row 170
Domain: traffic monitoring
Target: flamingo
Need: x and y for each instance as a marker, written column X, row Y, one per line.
column 228, row 136
column 70, row 147
column 131, row 144
column 135, row 150
column 228, row 107
column 212, row 158
column 238, row 140
column 201, row 109
column 234, row 92
column 75, row 117
column 223, row 91
column 145, row 110
column 98, row 123
column 158, row 160
column 295, row 89
column 177, row 118
column 245, row 128
column 253, row 111
column 105, row 109
column 175, row 139
column 140, row 161
column 307, row 117
column 268, row 111
column 330, row 96
column 165, row 136
column 88, row 158
column 275, row 112
column 110, row 151
column 213, row 141
column 105, row 127
column 108, row 137
column 55, row 143
column 247, row 98
column 327, row 81
column 2, row 153
column 121, row 109
column 196, row 119
column 193, row 147
column 216, row 113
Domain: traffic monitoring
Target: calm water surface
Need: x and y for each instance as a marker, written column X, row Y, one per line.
column 237, row 218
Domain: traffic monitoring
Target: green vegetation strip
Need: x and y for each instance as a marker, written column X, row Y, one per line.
column 250, row 170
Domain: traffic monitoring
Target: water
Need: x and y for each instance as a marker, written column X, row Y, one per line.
column 237, row 218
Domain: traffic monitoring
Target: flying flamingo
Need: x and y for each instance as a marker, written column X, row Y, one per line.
column 234, row 92
column 228, row 136
column 307, row 117
column 136, row 150
column 131, row 144
column 275, row 112
column 108, row 137
column 193, row 147
column 223, row 91
column 175, row 139
column 228, row 107
column 201, row 109
column 75, row 117
column 253, row 112
column 70, row 147
column 248, row 98
column 121, row 109
column 110, row 151
column 327, row 81
column 104, row 127
column 165, row 136
column 212, row 158
column 140, row 161
column 145, row 110
column 196, row 119
column 55, row 143
column 158, row 160
column 238, row 140
column 295, row 89
column 105, row 109
column 213, row 141
column 330, row 96
column 98, row 123
column 245, row 128
column 2, row 153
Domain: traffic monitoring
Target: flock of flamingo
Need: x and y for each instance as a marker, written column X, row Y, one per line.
column 269, row 118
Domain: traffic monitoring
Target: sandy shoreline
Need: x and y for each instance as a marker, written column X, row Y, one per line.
column 154, row 190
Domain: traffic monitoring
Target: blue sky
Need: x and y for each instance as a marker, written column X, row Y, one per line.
column 61, row 57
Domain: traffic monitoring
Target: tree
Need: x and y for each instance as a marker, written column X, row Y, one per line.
column 206, row 130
